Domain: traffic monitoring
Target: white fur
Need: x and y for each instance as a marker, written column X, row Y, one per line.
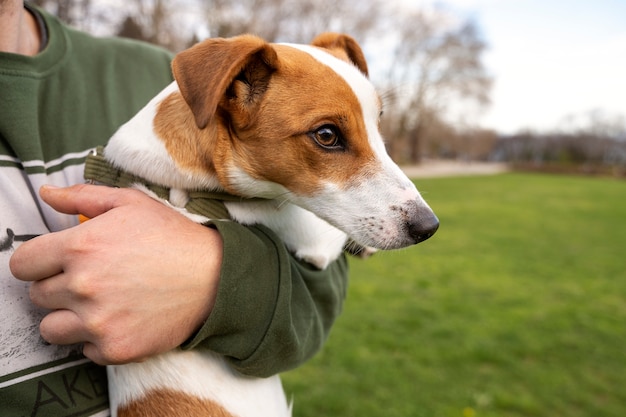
column 212, row 379
column 309, row 237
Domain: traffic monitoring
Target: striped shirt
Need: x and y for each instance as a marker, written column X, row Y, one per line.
column 54, row 108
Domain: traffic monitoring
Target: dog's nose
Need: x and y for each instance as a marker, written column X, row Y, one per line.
column 423, row 227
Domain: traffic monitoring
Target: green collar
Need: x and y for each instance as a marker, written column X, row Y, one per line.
column 205, row 203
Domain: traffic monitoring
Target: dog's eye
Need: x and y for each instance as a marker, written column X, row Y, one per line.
column 328, row 137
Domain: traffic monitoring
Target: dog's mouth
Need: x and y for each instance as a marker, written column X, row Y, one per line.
column 407, row 225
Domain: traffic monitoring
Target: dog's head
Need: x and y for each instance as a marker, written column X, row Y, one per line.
column 300, row 123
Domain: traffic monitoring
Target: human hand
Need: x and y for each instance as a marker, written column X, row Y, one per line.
column 136, row 280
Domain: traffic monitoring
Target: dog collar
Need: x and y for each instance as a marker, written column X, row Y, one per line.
column 206, row 203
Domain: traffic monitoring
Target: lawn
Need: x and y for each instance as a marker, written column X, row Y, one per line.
column 516, row 307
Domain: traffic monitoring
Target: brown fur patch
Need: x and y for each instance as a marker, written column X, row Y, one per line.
column 276, row 146
column 169, row 403
column 189, row 146
column 205, row 70
column 343, row 47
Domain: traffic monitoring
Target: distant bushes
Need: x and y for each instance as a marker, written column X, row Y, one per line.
column 586, row 153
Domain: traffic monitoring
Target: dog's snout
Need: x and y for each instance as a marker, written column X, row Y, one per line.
column 423, row 227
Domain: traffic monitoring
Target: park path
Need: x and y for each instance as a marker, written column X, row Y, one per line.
column 446, row 168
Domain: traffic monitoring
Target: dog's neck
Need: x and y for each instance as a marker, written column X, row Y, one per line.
column 139, row 149
column 207, row 203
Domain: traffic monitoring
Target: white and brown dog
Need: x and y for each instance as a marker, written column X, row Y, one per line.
column 293, row 131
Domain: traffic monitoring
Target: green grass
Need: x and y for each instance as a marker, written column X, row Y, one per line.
column 516, row 307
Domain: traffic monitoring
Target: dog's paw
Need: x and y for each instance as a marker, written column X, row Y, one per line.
column 366, row 252
column 319, row 252
column 317, row 260
column 359, row 251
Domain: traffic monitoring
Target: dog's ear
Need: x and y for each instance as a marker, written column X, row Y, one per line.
column 238, row 67
column 343, row 46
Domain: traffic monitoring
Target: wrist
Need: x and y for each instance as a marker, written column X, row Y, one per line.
column 208, row 248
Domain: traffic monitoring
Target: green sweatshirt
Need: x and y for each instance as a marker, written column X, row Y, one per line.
column 272, row 312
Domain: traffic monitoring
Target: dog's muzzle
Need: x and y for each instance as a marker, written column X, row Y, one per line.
column 418, row 222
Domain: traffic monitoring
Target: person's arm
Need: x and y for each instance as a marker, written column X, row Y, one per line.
column 272, row 311
column 139, row 279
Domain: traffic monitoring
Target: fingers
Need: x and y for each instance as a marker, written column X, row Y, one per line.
column 51, row 293
column 89, row 200
column 37, row 259
column 63, row 327
column 42, row 257
column 92, row 352
column 46, row 255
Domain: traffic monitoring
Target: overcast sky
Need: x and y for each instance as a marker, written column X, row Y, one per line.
column 551, row 59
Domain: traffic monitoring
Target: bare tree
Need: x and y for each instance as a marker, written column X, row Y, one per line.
column 72, row 12
column 290, row 20
column 157, row 21
column 432, row 66
column 131, row 29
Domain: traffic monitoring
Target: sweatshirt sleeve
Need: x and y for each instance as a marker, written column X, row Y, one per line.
column 272, row 312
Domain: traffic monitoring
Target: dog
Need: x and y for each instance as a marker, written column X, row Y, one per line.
column 291, row 131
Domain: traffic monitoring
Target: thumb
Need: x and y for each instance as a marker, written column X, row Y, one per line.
column 85, row 199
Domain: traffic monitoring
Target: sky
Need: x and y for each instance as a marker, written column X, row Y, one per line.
column 550, row 59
